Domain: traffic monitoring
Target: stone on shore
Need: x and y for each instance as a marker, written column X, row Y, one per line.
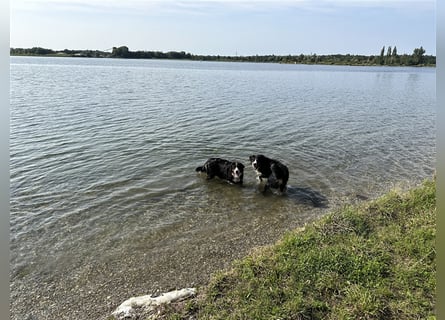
column 135, row 306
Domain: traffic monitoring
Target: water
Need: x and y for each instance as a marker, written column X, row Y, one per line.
column 105, row 203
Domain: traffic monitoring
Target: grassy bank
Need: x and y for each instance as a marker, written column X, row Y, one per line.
column 373, row 261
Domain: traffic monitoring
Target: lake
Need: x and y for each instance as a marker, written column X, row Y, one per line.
column 105, row 202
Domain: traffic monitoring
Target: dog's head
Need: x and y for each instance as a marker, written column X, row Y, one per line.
column 237, row 170
column 256, row 161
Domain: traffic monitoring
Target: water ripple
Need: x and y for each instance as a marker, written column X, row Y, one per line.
column 102, row 155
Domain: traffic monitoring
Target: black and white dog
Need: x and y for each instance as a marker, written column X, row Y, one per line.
column 231, row 171
column 274, row 171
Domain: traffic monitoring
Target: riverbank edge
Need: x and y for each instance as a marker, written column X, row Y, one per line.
column 373, row 260
column 350, row 60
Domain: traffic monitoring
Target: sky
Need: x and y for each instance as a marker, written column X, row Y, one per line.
column 230, row 27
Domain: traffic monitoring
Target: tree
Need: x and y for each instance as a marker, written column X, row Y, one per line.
column 382, row 53
column 388, row 56
column 121, row 52
column 395, row 57
column 418, row 55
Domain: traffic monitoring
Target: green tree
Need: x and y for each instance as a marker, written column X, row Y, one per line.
column 418, row 55
column 121, row 52
column 394, row 57
column 382, row 54
column 388, row 56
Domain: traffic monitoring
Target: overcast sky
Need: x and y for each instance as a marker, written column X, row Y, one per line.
column 226, row 27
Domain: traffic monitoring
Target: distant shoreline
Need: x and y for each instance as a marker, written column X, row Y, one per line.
column 417, row 59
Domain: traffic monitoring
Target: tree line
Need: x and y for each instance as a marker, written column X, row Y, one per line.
column 38, row 51
column 416, row 58
column 388, row 56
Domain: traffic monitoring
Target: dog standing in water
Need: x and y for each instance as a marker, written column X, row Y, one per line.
column 231, row 171
column 276, row 173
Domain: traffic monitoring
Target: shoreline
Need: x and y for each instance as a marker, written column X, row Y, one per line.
column 174, row 268
column 395, row 235
column 230, row 60
column 402, row 60
column 240, row 61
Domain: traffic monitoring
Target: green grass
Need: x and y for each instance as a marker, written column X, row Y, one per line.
column 372, row 261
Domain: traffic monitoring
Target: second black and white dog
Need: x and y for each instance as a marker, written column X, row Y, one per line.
column 231, row 171
column 276, row 173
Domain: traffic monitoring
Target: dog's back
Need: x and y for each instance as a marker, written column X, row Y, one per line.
column 209, row 165
column 280, row 174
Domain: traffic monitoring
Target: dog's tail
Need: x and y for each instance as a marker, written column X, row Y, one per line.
column 200, row 169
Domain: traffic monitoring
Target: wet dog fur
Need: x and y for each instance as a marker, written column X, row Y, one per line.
column 276, row 173
column 232, row 171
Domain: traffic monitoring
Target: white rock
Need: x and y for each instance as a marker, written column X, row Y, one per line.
column 127, row 309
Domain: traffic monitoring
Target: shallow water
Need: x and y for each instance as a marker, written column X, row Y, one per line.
column 105, row 203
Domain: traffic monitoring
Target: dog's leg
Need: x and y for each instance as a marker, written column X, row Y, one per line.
column 266, row 187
